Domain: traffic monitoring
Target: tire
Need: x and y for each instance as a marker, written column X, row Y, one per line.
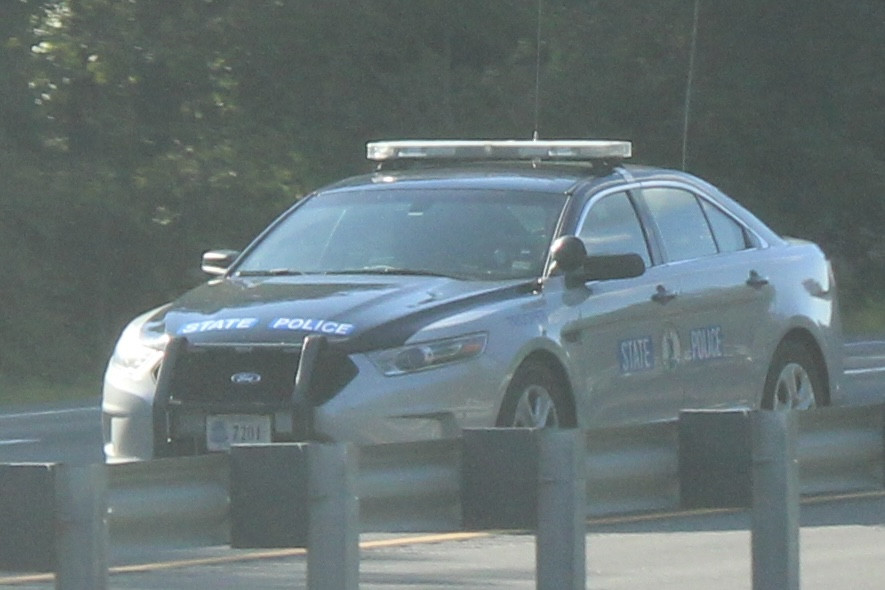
column 794, row 381
column 536, row 398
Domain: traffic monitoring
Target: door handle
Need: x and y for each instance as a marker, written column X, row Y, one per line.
column 756, row 280
column 663, row 295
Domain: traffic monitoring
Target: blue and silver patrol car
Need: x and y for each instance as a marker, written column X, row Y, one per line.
column 473, row 284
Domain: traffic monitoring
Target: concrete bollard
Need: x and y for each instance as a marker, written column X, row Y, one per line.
column 333, row 531
column 27, row 517
column 82, row 530
column 499, row 478
column 775, row 536
column 560, row 540
column 268, row 495
column 714, row 459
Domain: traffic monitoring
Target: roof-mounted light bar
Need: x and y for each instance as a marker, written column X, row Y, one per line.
column 533, row 149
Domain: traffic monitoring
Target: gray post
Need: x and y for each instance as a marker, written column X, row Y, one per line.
column 333, row 529
column 499, row 479
column 269, row 495
column 775, row 537
column 82, row 528
column 560, row 543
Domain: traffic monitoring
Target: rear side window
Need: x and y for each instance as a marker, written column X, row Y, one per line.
column 730, row 235
column 683, row 227
column 691, row 227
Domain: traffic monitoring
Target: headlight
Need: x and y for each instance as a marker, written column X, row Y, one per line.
column 138, row 350
column 428, row 355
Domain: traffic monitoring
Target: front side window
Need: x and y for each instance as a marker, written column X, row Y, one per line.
column 611, row 226
column 461, row 233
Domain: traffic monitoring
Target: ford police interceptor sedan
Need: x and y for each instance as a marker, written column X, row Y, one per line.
column 473, row 284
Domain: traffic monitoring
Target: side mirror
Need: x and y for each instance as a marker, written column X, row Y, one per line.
column 569, row 253
column 613, row 266
column 570, row 256
column 216, row 262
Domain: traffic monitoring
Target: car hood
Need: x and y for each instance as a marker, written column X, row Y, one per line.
column 359, row 313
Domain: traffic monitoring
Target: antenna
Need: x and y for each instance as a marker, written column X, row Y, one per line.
column 688, row 83
column 536, row 133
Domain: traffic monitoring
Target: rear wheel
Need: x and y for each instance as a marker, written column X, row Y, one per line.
column 795, row 381
column 536, row 398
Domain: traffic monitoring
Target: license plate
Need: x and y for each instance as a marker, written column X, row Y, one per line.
column 224, row 430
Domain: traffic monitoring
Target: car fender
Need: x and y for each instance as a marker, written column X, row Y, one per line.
column 554, row 354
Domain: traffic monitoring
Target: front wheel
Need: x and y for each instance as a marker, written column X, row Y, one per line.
column 794, row 380
column 536, row 398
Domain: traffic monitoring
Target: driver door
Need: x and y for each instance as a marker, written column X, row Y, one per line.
column 619, row 339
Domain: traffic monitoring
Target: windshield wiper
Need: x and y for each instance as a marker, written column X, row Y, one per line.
column 273, row 272
column 390, row 270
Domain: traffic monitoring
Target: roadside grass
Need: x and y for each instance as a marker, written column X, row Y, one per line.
column 22, row 392
column 865, row 321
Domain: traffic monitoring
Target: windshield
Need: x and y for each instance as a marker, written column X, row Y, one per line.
column 468, row 234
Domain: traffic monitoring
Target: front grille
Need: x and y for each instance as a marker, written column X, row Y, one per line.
column 234, row 375
column 197, row 381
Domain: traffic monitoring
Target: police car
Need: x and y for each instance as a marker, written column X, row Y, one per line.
column 473, row 284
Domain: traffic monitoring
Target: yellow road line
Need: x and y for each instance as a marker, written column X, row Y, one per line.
column 253, row 556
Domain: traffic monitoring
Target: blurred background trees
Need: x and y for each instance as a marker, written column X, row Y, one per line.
column 136, row 134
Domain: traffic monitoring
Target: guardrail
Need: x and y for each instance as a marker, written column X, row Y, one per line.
column 170, row 502
column 632, row 469
column 703, row 459
column 410, row 487
column 840, row 450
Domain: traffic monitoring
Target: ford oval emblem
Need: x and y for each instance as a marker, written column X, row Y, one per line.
column 245, row 378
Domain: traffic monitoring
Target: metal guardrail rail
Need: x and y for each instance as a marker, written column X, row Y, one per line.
column 174, row 502
column 410, row 487
column 632, row 469
column 841, row 450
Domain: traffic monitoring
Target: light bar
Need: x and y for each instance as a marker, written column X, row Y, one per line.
column 509, row 149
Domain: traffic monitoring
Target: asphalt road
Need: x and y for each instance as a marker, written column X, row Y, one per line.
column 842, row 545
column 69, row 433
column 864, row 378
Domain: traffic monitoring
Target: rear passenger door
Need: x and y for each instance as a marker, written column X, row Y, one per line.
column 722, row 294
